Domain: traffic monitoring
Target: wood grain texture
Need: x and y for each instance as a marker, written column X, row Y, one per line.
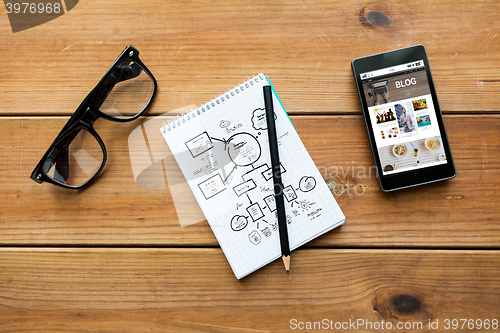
column 165, row 290
column 197, row 49
column 462, row 212
column 113, row 257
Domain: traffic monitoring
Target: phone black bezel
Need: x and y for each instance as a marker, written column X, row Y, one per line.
column 409, row 178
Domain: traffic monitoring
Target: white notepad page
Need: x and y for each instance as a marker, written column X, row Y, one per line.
column 222, row 149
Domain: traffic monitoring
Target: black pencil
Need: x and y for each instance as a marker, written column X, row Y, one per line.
column 278, row 185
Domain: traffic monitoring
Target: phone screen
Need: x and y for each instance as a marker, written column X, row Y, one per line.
column 402, row 114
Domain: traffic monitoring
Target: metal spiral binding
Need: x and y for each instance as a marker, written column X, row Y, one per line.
column 184, row 117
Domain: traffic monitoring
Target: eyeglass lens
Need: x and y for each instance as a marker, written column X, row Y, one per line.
column 75, row 159
column 127, row 90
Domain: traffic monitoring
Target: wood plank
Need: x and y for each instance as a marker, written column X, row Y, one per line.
column 462, row 212
column 198, row 49
column 159, row 290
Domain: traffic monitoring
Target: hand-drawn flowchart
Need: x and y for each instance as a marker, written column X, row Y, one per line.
column 235, row 164
column 222, row 149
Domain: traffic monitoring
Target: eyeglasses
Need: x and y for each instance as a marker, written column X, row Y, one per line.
column 78, row 154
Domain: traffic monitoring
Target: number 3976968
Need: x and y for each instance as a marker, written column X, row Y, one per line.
column 33, row 8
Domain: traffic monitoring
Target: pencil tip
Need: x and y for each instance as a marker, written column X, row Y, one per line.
column 286, row 261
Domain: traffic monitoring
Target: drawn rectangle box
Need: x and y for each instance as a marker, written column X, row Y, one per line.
column 254, row 174
column 212, row 186
column 199, row 144
column 255, row 211
column 268, row 174
column 289, row 193
column 270, row 202
column 244, row 187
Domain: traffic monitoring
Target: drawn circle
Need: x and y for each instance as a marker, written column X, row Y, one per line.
column 239, row 222
column 243, row 149
column 254, row 237
column 304, row 205
column 306, row 184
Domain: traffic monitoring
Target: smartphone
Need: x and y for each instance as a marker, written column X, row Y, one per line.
column 403, row 119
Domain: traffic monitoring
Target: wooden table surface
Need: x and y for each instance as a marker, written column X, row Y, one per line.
column 113, row 257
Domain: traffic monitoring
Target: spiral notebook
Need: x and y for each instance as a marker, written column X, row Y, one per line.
column 222, row 150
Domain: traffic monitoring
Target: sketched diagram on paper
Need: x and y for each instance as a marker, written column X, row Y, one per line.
column 232, row 160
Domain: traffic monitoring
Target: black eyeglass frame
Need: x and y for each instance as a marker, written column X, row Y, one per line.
column 88, row 112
